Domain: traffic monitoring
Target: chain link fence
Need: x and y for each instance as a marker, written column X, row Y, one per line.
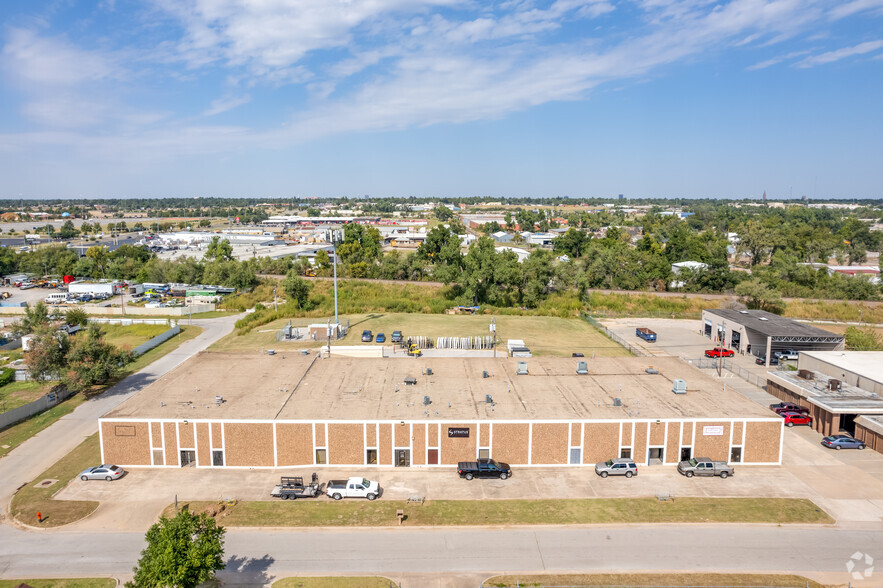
column 711, row 363
column 634, row 350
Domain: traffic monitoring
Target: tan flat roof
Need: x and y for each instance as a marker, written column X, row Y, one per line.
column 295, row 387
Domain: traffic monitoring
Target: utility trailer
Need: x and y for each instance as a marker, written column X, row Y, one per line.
column 293, row 487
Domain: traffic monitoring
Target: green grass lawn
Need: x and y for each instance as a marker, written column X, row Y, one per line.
column 332, row 582
column 382, row 513
column 131, row 336
column 33, row 499
column 669, row 579
column 13, row 436
column 15, row 394
column 542, row 334
column 62, row 583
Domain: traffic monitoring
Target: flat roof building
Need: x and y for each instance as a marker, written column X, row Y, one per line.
column 762, row 333
column 289, row 410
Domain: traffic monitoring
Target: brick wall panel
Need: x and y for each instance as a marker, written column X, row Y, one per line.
column 294, row 444
column 203, row 452
column 346, row 444
column 549, row 443
column 248, row 444
column 510, row 443
column 126, row 443
column 601, row 442
column 455, row 449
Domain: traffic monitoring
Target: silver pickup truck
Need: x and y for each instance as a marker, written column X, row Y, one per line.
column 704, row 466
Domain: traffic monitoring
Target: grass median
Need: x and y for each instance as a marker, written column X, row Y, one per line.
column 34, row 498
column 592, row 511
column 14, row 435
column 333, row 582
column 685, row 579
column 62, row 583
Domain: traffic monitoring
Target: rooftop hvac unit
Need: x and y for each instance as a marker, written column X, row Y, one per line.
column 834, row 384
column 805, row 374
column 522, row 368
column 428, row 371
column 582, row 368
column 679, row 386
column 426, row 401
column 617, row 402
column 488, row 398
column 485, row 374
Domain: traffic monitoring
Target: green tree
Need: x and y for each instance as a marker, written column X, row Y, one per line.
column 35, row 317
column 68, row 231
column 76, row 316
column 219, row 250
column 100, row 255
column 757, row 240
column 181, row 552
column 862, row 339
column 297, row 289
column 205, row 223
column 443, row 213
column 323, row 259
column 90, row 360
column 47, row 351
column 759, row 296
column 572, row 243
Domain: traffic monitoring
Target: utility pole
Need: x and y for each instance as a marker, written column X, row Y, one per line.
column 494, row 331
column 720, row 355
column 334, row 252
column 275, row 304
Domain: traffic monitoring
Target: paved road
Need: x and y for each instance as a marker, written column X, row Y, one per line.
column 33, row 456
column 255, row 556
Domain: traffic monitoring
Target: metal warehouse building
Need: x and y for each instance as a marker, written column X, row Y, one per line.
column 840, row 389
column 766, row 332
column 263, row 411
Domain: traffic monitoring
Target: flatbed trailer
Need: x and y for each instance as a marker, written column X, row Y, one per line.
column 293, row 487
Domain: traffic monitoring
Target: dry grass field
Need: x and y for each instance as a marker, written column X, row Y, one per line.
column 543, row 335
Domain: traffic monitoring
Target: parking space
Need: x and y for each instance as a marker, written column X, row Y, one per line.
column 679, row 337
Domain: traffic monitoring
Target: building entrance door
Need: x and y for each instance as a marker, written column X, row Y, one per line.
column 432, row 457
column 188, row 457
column 686, row 453
column 403, row 458
column 656, row 456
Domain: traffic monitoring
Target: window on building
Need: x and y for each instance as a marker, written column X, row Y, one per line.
column 371, row 457
column 484, row 453
column 625, row 453
column 158, row 457
column 217, row 457
column 321, row 457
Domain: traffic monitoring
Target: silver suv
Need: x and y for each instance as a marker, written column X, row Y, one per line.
column 616, row 467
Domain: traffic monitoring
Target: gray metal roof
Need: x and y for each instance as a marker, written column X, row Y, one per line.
column 849, row 399
column 773, row 325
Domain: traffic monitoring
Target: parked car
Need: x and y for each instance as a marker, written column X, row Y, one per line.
column 786, row 354
column 718, row 352
column 842, row 441
column 396, row 337
column 381, row 338
column 786, row 405
column 577, row 354
column 796, row 418
column 353, row 488
column 762, row 360
column 801, row 409
column 484, row 468
column 103, row 472
column 367, row 336
column 616, row 467
column 704, row 466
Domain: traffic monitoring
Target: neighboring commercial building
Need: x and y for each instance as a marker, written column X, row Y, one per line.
column 835, row 405
column 288, row 410
column 95, row 288
column 766, row 332
column 862, row 369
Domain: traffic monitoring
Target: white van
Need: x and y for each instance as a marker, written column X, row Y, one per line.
column 56, row 298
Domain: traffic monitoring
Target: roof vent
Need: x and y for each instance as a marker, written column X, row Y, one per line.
column 805, row 374
column 679, row 386
column 743, row 312
column 582, row 368
column 834, row 384
column 763, row 318
column 617, row 402
column 410, row 381
column 522, row 368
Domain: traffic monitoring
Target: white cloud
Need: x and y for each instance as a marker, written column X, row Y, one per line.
column 45, row 61
column 776, row 60
column 845, row 9
column 225, row 103
column 832, row 56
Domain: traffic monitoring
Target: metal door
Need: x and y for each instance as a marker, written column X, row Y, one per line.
column 575, row 456
column 403, row 458
column 432, row 457
column 188, row 457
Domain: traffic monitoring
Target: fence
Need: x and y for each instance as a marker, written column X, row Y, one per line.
column 130, row 321
column 161, row 338
column 477, row 342
column 616, row 338
column 710, row 363
column 39, row 405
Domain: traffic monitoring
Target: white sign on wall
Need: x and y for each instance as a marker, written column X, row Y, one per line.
column 713, row 430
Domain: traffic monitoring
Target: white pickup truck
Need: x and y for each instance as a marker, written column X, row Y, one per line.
column 352, row 488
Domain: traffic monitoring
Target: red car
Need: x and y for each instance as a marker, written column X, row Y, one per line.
column 796, row 418
column 718, row 352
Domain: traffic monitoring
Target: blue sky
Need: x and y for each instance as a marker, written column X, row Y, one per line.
column 690, row 98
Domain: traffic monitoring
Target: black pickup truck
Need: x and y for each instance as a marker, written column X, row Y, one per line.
column 484, row 468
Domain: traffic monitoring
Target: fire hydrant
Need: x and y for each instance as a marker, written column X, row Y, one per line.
column 39, row 517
